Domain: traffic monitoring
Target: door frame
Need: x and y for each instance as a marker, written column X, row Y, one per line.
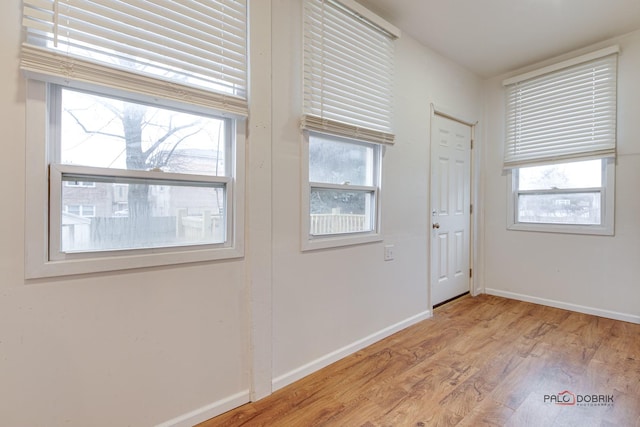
column 474, row 230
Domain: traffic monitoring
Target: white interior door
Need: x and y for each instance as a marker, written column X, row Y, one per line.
column 450, row 208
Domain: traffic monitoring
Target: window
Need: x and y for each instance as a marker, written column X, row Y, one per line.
column 102, row 140
column 348, row 87
column 140, row 133
column 561, row 146
column 564, row 197
column 344, row 182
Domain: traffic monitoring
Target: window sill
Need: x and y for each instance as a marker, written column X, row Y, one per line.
column 336, row 241
column 128, row 260
column 596, row 230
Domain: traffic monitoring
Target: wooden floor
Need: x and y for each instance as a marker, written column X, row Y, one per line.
column 483, row 361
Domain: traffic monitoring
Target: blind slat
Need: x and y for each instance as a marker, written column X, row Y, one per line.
column 150, row 54
column 356, row 91
column 195, row 43
column 45, row 64
column 566, row 114
column 348, row 73
column 348, row 130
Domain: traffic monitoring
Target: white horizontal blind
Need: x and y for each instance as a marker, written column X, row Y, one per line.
column 348, row 73
column 198, row 46
column 563, row 115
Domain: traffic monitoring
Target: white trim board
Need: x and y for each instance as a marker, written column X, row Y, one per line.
column 214, row 409
column 631, row 318
column 334, row 356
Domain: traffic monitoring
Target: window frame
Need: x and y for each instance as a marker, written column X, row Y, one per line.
column 41, row 261
column 607, row 205
column 324, row 241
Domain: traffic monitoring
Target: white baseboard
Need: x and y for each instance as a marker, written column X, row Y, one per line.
column 209, row 411
column 321, row 362
column 216, row 408
column 564, row 305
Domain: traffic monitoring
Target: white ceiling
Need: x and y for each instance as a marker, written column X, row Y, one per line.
column 491, row 37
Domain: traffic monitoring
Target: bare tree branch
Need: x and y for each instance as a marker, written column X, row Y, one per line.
column 166, row 136
column 170, row 153
column 116, row 111
column 92, row 132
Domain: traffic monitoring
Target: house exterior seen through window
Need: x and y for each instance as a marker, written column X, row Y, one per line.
column 344, row 181
column 565, row 193
column 101, row 138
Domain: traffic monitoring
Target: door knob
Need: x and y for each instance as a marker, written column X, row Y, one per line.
column 435, row 225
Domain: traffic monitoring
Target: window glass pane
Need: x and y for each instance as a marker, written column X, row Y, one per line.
column 73, row 209
column 340, row 211
column 150, row 215
column 88, row 210
column 336, row 161
column 108, row 132
column 568, row 208
column 587, row 174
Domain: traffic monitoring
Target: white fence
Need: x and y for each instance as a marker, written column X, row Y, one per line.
column 338, row 223
column 205, row 227
column 78, row 234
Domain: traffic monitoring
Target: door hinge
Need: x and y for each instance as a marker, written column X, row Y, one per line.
column 471, row 209
column 471, row 272
column 472, row 144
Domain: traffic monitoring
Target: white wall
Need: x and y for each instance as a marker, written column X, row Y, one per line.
column 324, row 301
column 141, row 347
column 120, row 349
column 144, row 346
column 597, row 274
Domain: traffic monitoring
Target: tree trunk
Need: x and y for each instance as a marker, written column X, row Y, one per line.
column 138, row 195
